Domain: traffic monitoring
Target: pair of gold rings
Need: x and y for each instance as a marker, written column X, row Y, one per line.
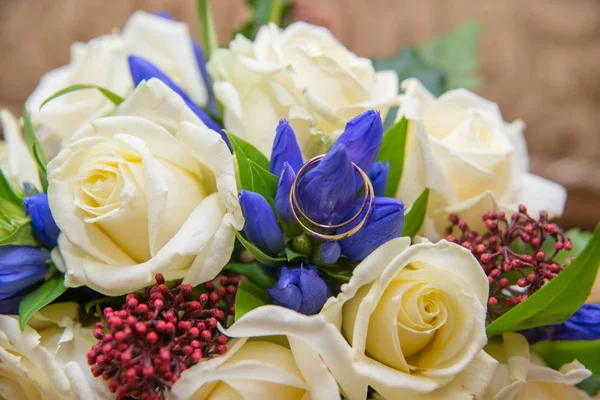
column 310, row 226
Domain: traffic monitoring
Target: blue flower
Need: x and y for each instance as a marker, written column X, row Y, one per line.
column 583, row 325
column 21, row 268
column 261, row 224
column 143, row 70
column 285, row 149
column 379, row 177
column 44, row 227
column 329, row 252
column 282, row 198
column 362, row 139
column 327, row 193
column 300, row 289
column 384, row 223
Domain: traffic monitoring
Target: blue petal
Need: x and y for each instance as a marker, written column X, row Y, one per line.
column 384, row 223
column 21, row 267
column 583, row 325
column 288, row 276
column 285, row 149
column 43, row 224
column 314, row 291
column 200, row 59
column 362, row 139
column 143, row 70
column 164, row 14
column 329, row 252
column 10, row 305
column 282, row 198
column 261, row 224
column 379, row 177
column 288, row 296
column 327, row 193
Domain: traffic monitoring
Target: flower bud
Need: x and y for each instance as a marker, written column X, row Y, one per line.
column 44, row 227
column 285, row 149
column 385, row 222
column 379, row 177
column 328, row 253
column 261, row 224
column 282, row 198
column 302, row 244
column 300, row 289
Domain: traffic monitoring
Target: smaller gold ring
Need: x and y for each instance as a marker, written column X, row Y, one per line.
column 295, row 206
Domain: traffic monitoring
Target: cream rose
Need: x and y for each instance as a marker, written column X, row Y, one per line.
column 522, row 375
column 410, row 324
column 460, row 147
column 150, row 189
column 16, row 160
column 47, row 360
column 301, row 73
column 103, row 62
column 259, row 369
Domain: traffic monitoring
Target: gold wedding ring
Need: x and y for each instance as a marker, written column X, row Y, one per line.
column 299, row 215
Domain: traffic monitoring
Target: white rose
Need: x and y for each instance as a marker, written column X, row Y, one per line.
column 460, row 147
column 410, row 324
column 16, row 160
column 522, row 375
column 103, row 62
column 301, row 73
column 150, row 189
column 259, row 369
column 47, row 361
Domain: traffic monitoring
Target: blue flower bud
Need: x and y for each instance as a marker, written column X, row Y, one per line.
column 143, row 70
column 285, row 149
column 329, row 252
column 261, row 224
column 282, row 198
column 300, row 289
column 327, row 193
column 379, row 177
column 362, row 139
column 384, row 223
column 44, row 227
column 164, row 14
column 21, row 268
column 583, row 325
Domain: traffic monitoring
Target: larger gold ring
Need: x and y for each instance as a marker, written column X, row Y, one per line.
column 296, row 209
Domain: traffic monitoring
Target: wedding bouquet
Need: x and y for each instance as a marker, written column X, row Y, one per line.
column 279, row 220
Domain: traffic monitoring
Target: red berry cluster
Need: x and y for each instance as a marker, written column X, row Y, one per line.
column 512, row 276
column 143, row 348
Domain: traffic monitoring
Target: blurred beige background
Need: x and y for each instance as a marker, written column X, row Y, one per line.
column 540, row 61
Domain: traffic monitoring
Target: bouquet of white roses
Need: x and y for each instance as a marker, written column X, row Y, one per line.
column 279, row 220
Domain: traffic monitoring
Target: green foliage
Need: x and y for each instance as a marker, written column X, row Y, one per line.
column 260, row 256
column 249, row 296
column 392, row 150
column 253, row 169
column 35, row 148
column 254, row 271
column 208, row 35
column 413, row 219
column 556, row 301
column 263, row 12
column 448, row 62
column 9, row 192
column 15, row 227
column 113, row 97
column 40, row 298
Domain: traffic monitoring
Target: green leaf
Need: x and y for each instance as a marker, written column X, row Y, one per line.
column 15, row 227
column 35, row 148
column 392, row 150
column 249, row 296
column 415, row 215
column 263, row 182
column 579, row 239
column 408, row 64
column 560, row 352
column 208, row 35
column 337, row 272
column 557, row 300
column 254, row 271
column 455, row 54
column 292, row 255
column 590, row 385
column 115, row 98
column 9, row 192
column 249, row 150
column 40, row 297
column 261, row 257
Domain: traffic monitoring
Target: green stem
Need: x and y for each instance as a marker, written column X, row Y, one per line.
column 276, row 9
column 208, row 35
